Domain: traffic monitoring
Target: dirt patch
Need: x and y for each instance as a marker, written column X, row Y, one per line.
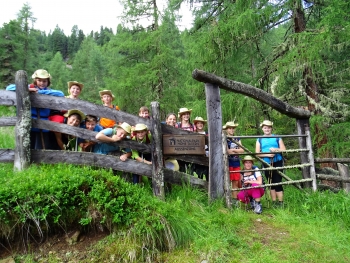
column 71, row 247
column 268, row 233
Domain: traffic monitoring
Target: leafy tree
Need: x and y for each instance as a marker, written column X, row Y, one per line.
column 60, row 72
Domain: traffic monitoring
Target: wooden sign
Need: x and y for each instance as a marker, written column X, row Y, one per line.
column 184, row 144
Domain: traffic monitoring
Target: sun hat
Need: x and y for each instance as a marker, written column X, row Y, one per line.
column 70, row 112
column 230, row 124
column 41, row 74
column 248, row 158
column 172, row 164
column 266, row 123
column 71, row 83
column 108, row 92
column 182, row 111
column 199, row 119
column 125, row 126
column 140, row 127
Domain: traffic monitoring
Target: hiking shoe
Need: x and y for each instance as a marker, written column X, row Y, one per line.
column 252, row 203
column 258, row 208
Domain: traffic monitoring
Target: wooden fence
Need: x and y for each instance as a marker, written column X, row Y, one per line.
column 219, row 185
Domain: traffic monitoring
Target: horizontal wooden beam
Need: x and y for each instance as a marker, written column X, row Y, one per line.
column 252, row 92
column 332, row 160
column 7, row 156
column 8, row 98
column 8, row 121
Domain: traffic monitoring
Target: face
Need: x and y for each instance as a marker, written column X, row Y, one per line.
column 141, row 134
column 73, row 120
column 90, row 125
column 121, row 133
column 230, row 131
column 185, row 116
column 75, row 90
column 171, row 120
column 42, row 83
column 106, row 99
column 266, row 130
column 199, row 125
column 144, row 114
column 248, row 165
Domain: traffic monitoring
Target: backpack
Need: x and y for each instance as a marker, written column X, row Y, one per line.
column 256, row 178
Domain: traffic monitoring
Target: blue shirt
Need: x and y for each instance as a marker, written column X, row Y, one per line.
column 105, row 148
column 266, row 144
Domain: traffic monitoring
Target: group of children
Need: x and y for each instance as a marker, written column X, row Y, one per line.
column 109, row 131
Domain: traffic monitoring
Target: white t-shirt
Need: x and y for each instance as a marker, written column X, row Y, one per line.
column 252, row 177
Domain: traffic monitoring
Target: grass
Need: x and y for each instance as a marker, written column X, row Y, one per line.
column 314, row 227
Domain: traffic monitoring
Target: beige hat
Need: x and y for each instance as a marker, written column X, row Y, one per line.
column 70, row 112
column 199, row 119
column 266, row 123
column 182, row 111
column 172, row 164
column 248, row 158
column 140, row 127
column 41, row 74
column 125, row 126
column 108, row 92
column 71, row 83
column 230, row 124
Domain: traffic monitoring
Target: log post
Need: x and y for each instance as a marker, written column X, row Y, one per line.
column 301, row 123
column 23, row 123
column 227, row 183
column 157, row 153
column 344, row 173
column 216, row 164
column 311, row 158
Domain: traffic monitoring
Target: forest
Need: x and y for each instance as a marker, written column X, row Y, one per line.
column 296, row 50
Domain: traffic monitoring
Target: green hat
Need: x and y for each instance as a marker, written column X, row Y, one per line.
column 125, row 126
column 41, row 74
column 70, row 112
column 108, row 92
column 199, row 119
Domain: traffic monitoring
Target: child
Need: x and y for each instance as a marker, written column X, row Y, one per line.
column 142, row 136
column 40, row 139
column 201, row 170
column 74, row 89
column 90, row 124
column 107, row 97
column 251, row 179
column 171, row 119
column 233, row 159
column 65, row 141
column 109, row 135
column 144, row 112
column 269, row 149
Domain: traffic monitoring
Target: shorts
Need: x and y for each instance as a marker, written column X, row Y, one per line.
column 234, row 176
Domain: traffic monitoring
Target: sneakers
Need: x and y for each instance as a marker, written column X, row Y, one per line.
column 258, row 208
column 252, row 203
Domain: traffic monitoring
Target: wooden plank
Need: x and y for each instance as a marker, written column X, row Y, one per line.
column 7, row 156
column 203, row 160
column 157, row 153
column 8, row 98
column 252, row 92
column 332, row 160
column 216, row 162
column 59, row 103
column 302, row 144
column 227, row 182
column 311, row 158
column 86, row 134
column 113, row 162
column 8, row 121
column 333, row 178
column 192, row 144
column 23, row 123
column 272, row 136
column 344, row 173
